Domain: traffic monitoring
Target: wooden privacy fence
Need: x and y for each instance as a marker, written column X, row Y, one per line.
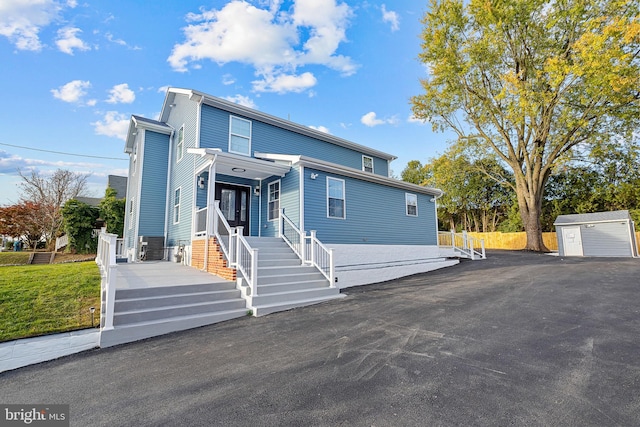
column 516, row 241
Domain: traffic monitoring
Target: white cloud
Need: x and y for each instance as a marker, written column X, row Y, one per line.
column 163, row 89
column 92, row 102
column 10, row 163
column 68, row 40
column 73, row 91
column 72, row 3
column 285, row 83
column 113, row 124
column 245, row 101
column 274, row 41
column 414, row 119
column 22, row 20
column 228, row 79
column 370, row 119
column 120, row 42
column 391, row 17
column 121, row 94
column 320, row 128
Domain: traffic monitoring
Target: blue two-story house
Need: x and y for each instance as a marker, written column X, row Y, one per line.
column 270, row 203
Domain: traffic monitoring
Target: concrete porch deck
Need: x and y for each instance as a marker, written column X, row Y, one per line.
column 152, row 274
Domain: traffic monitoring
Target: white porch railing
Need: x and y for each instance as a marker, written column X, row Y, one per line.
column 106, row 260
column 224, row 233
column 309, row 249
column 62, row 241
column 120, row 248
column 465, row 245
column 246, row 260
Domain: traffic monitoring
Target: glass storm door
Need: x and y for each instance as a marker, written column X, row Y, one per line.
column 234, row 204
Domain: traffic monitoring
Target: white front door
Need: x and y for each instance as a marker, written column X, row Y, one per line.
column 572, row 241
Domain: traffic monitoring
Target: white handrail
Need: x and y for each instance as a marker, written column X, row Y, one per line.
column 246, row 261
column 227, row 247
column 292, row 236
column 322, row 258
column 462, row 242
column 106, row 260
column 318, row 255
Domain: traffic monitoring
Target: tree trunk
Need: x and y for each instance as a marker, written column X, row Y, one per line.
column 530, row 210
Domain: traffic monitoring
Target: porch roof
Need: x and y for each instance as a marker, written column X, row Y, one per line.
column 241, row 166
column 350, row 172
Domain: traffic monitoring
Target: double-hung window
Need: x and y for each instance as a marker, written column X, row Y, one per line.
column 367, row 164
column 411, row 201
column 335, row 198
column 239, row 136
column 180, row 144
column 274, row 200
column 176, row 206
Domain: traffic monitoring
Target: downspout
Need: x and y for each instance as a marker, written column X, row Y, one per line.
column 301, row 220
column 167, row 196
column 434, row 199
column 140, row 171
column 260, row 210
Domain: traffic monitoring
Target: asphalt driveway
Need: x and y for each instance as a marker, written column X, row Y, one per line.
column 518, row 339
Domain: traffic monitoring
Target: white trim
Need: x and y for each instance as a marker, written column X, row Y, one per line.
column 301, row 195
column 234, row 108
column 372, row 164
column 178, row 205
column 344, row 198
column 260, row 209
column 249, row 189
column 406, row 204
column 167, row 191
column 279, row 181
column 348, row 172
column 138, row 196
column 248, row 153
column 621, row 220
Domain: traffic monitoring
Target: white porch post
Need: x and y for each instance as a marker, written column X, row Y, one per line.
column 313, row 246
column 281, row 223
column 332, row 269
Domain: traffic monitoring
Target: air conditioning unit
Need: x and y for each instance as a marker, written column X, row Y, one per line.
column 151, row 248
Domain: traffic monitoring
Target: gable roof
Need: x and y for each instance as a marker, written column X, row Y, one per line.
column 139, row 122
column 612, row 216
column 350, row 172
column 234, row 108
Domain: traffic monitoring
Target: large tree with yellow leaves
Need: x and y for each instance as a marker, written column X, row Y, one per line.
column 533, row 81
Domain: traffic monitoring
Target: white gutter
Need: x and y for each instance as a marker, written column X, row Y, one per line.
column 301, row 220
column 167, row 195
column 210, row 207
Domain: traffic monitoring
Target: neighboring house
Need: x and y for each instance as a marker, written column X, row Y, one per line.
column 204, row 150
column 600, row 234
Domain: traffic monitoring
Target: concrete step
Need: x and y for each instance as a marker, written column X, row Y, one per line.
column 264, row 309
column 276, row 255
column 167, row 312
column 266, row 242
column 298, row 295
column 292, row 287
column 271, row 270
column 287, row 262
column 122, row 294
column 138, row 331
column 302, row 275
column 129, row 304
column 42, row 258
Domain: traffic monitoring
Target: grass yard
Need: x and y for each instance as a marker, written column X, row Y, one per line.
column 14, row 258
column 43, row 299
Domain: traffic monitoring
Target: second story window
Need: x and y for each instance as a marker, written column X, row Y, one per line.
column 180, row 144
column 176, row 205
column 239, row 136
column 367, row 164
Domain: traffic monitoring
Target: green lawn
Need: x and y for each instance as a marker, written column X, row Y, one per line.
column 14, row 258
column 42, row 299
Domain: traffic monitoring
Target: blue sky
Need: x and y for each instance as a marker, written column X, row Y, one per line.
column 73, row 72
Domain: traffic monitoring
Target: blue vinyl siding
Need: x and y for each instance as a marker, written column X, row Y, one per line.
column 154, row 184
column 289, row 201
column 182, row 172
column 271, row 139
column 375, row 214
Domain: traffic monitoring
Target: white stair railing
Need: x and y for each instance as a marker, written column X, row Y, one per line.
column 106, row 260
column 309, row 249
column 246, row 260
column 468, row 246
column 224, row 233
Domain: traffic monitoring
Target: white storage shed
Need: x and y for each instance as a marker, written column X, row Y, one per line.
column 598, row 234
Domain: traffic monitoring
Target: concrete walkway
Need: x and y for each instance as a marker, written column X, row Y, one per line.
column 519, row 339
column 161, row 273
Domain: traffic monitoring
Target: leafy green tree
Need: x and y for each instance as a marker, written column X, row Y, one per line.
column 79, row 222
column 531, row 81
column 112, row 211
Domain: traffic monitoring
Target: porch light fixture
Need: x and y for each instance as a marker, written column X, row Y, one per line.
column 238, row 170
